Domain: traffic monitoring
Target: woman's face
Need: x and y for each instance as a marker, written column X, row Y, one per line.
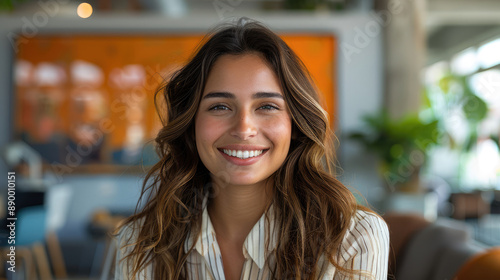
column 242, row 127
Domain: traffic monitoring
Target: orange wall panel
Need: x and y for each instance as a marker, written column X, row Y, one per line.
column 97, row 91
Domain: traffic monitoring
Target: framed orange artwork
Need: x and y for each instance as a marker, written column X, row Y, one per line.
column 87, row 100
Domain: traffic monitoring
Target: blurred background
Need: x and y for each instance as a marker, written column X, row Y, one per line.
column 412, row 89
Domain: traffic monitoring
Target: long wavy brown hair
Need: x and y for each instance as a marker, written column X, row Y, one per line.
column 312, row 208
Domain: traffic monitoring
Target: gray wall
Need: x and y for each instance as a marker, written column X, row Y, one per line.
column 116, row 194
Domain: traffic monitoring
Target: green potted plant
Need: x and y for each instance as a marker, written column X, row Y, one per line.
column 402, row 146
column 452, row 101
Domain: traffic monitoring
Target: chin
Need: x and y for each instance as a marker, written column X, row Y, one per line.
column 242, row 180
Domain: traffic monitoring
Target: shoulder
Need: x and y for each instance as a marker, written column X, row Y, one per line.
column 365, row 246
column 367, row 231
column 367, row 222
column 126, row 237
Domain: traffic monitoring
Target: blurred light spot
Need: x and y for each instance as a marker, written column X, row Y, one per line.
column 129, row 76
column 465, row 62
column 86, row 74
column 84, row 10
column 24, row 73
column 488, row 54
column 482, row 165
column 486, row 85
column 435, row 72
column 49, row 74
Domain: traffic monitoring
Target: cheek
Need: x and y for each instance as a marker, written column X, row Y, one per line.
column 207, row 131
column 280, row 132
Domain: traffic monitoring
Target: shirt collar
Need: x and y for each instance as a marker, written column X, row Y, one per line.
column 254, row 245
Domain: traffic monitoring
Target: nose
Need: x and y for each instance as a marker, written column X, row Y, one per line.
column 244, row 126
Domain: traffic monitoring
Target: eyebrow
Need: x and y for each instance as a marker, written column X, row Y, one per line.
column 257, row 95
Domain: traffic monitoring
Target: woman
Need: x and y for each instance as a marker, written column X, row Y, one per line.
column 243, row 189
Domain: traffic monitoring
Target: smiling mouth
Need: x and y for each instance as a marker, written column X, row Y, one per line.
column 243, row 154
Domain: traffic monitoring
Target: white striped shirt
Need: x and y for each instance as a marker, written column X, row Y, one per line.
column 365, row 247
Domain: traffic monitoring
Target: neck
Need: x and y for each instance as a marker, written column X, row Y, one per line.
column 234, row 210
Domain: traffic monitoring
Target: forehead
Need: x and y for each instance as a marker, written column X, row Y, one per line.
column 245, row 72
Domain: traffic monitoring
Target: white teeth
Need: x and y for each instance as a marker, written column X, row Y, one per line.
column 242, row 154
